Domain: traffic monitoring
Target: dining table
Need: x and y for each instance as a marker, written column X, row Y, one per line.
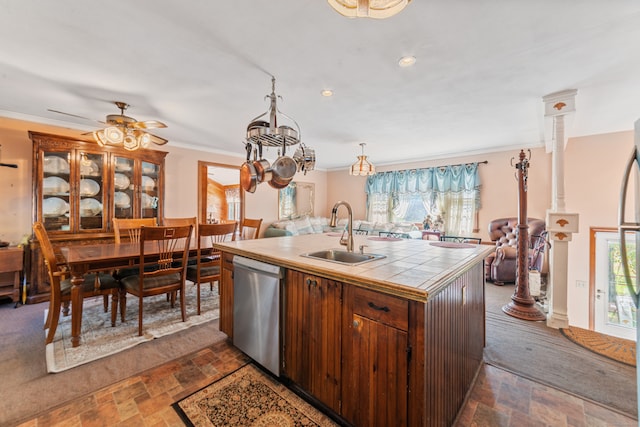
column 82, row 259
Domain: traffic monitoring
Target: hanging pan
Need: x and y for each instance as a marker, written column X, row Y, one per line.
column 263, row 168
column 248, row 175
column 283, row 169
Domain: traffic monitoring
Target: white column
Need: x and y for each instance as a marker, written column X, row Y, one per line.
column 557, row 166
column 561, row 225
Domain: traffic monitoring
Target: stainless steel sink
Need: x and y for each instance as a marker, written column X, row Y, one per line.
column 343, row 257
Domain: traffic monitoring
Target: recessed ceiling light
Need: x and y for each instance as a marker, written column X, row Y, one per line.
column 326, row 92
column 407, row 61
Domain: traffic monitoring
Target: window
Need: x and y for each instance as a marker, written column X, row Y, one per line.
column 451, row 193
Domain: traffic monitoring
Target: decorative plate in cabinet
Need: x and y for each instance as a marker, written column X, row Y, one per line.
column 55, row 164
column 55, row 185
column 121, row 181
column 89, row 187
column 122, row 200
column 54, row 206
column 90, row 207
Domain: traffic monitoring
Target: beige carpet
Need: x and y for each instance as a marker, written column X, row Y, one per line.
column 249, row 397
column 542, row 354
column 100, row 339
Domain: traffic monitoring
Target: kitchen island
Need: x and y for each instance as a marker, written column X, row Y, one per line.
column 395, row 341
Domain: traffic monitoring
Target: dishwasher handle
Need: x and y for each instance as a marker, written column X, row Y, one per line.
column 257, row 266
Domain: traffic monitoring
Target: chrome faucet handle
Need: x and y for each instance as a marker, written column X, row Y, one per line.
column 362, row 248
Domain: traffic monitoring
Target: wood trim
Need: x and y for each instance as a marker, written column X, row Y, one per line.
column 202, row 189
column 592, row 270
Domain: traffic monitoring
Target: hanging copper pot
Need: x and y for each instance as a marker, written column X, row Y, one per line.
column 248, row 174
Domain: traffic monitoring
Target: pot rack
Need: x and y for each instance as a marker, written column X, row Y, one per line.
column 268, row 133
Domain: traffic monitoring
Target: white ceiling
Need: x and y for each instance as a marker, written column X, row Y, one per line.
column 203, row 67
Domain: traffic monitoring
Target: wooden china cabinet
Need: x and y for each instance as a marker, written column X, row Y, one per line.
column 78, row 187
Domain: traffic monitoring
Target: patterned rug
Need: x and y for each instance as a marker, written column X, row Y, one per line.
column 249, row 397
column 99, row 339
column 614, row 348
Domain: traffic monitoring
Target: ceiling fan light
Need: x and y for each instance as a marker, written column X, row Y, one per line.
column 113, row 135
column 376, row 9
column 144, row 139
column 130, row 142
column 99, row 137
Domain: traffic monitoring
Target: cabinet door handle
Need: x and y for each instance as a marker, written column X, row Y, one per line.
column 377, row 307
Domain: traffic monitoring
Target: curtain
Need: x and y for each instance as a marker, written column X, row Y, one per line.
column 232, row 197
column 450, row 191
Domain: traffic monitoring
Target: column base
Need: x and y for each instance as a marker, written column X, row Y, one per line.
column 557, row 321
column 523, row 311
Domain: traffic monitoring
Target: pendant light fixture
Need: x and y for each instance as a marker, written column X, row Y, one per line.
column 362, row 167
column 376, row 9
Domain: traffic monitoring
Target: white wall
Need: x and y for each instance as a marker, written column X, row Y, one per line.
column 594, row 168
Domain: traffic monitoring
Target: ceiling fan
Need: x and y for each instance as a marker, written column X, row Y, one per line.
column 124, row 130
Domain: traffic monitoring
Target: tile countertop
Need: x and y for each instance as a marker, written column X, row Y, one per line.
column 413, row 268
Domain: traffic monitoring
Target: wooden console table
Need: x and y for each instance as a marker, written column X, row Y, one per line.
column 11, row 260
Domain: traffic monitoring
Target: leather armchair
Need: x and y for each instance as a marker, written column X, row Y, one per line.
column 501, row 266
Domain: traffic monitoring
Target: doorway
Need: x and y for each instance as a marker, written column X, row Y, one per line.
column 614, row 311
column 220, row 197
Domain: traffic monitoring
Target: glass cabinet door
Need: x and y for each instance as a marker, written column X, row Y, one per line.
column 124, row 186
column 91, row 190
column 56, row 186
column 149, row 190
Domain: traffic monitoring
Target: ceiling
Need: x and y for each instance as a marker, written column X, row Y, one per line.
column 204, row 69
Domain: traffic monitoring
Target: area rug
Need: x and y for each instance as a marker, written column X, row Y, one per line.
column 614, row 348
column 249, row 397
column 99, row 339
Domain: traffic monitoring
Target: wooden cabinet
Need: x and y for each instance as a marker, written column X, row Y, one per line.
column 375, row 356
column 312, row 338
column 226, row 295
column 78, row 187
column 11, row 261
column 378, row 359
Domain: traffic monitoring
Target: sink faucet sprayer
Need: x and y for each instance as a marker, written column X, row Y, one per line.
column 348, row 242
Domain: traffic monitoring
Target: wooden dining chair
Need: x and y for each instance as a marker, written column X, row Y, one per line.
column 161, row 246
column 208, row 265
column 130, row 227
column 128, row 230
column 250, row 228
column 174, row 222
column 95, row 284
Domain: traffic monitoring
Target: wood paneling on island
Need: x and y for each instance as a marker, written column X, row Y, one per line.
column 396, row 341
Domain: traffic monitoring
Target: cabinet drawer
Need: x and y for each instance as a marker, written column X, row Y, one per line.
column 10, row 260
column 382, row 308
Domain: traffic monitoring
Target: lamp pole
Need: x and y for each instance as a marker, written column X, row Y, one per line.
column 522, row 305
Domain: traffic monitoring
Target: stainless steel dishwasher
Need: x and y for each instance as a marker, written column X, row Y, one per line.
column 256, row 311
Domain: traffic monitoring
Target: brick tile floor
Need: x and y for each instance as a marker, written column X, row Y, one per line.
column 497, row 399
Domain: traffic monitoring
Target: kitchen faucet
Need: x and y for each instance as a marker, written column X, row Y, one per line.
column 348, row 242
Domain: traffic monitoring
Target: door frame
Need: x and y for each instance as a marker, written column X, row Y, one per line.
column 592, row 271
column 203, row 169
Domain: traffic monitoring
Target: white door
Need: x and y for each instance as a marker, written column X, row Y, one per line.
column 615, row 313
